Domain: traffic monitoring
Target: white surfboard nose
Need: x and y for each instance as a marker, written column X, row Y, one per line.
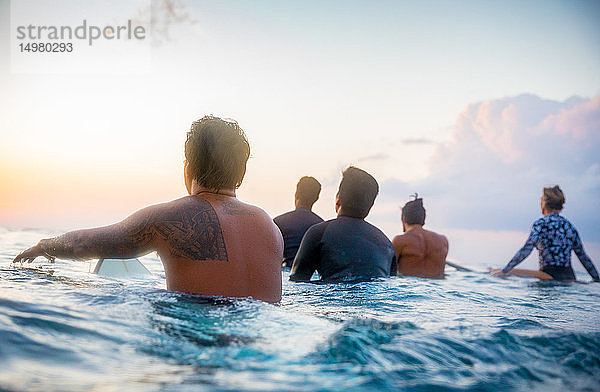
column 121, row 268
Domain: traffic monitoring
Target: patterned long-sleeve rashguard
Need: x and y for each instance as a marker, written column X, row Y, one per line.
column 554, row 237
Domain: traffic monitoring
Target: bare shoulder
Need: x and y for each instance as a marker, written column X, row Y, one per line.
column 400, row 240
column 232, row 206
column 181, row 202
column 433, row 234
column 260, row 222
column 235, row 209
column 444, row 238
column 440, row 239
column 149, row 215
column 175, row 209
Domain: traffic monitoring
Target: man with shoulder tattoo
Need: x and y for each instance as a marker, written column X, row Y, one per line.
column 210, row 243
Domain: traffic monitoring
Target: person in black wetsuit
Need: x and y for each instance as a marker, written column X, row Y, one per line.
column 347, row 248
column 554, row 237
column 294, row 224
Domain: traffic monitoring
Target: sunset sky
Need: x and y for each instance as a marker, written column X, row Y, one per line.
column 476, row 105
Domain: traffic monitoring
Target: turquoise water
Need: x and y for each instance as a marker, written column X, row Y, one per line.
column 63, row 328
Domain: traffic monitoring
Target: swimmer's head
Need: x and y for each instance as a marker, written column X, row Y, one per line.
column 357, row 193
column 307, row 192
column 553, row 198
column 413, row 212
column 216, row 152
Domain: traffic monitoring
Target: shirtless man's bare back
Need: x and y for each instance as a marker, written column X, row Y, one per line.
column 419, row 252
column 210, row 243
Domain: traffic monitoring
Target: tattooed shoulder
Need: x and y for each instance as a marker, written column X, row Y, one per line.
column 233, row 207
column 192, row 230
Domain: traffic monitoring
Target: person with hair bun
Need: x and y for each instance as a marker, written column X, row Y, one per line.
column 554, row 237
column 419, row 252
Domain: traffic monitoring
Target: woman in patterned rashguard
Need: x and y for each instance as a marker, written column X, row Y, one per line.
column 554, row 237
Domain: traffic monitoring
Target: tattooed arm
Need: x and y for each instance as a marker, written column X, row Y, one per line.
column 130, row 238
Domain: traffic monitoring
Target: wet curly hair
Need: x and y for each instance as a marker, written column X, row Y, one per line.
column 216, row 152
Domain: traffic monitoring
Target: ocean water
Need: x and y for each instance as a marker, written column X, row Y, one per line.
column 63, row 328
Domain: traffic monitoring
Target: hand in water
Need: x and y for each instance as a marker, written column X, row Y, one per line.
column 32, row 253
column 498, row 272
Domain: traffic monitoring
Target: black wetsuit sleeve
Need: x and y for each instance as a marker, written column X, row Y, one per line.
column 584, row 258
column 308, row 256
column 526, row 249
column 276, row 221
column 394, row 267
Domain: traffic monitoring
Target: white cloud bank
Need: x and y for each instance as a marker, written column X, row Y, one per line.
column 502, row 152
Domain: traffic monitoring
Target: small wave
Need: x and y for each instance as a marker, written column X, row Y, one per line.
column 29, row 308
column 354, row 342
column 25, row 346
column 520, row 324
column 400, row 355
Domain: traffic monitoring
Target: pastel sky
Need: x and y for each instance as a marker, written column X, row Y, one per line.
column 476, row 105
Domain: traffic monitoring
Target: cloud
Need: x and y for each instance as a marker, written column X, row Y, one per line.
column 374, row 157
column 417, row 141
column 502, row 152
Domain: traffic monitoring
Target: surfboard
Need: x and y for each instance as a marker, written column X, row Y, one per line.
column 121, row 268
column 459, row 267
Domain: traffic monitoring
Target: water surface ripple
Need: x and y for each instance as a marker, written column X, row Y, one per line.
column 63, row 328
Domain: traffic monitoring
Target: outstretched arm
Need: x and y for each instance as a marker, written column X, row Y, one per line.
column 584, row 258
column 525, row 250
column 132, row 237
